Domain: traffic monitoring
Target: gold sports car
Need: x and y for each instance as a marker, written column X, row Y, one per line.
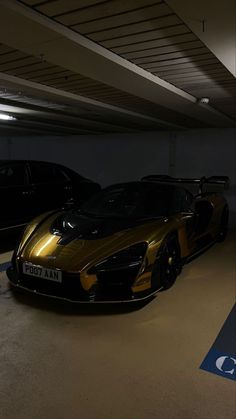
column 124, row 244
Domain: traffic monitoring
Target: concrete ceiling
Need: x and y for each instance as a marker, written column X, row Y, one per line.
column 214, row 22
column 95, row 66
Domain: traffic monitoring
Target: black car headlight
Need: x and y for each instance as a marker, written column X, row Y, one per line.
column 131, row 257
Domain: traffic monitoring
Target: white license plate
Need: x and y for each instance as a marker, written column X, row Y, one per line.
column 40, row 272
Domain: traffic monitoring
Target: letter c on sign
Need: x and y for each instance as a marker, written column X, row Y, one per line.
column 220, row 361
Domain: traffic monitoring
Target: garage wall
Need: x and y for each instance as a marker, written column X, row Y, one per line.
column 117, row 157
column 106, row 159
column 4, row 147
column 208, row 152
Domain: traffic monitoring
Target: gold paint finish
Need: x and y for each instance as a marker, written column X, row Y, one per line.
column 40, row 247
column 87, row 281
column 170, row 261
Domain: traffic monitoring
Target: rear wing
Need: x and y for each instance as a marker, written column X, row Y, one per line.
column 217, row 182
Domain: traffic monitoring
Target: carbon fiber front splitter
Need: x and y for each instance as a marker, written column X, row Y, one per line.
column 86, row 298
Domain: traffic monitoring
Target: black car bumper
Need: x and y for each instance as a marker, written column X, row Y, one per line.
column 72, row 291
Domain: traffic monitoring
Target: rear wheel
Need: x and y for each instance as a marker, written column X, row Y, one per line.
column 168, row 264
column 223, row 224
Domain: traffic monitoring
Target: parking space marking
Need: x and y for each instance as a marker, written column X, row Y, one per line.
column 4, row 266
column 221, row 359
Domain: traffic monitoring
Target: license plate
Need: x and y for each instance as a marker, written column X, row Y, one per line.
column 40, row 272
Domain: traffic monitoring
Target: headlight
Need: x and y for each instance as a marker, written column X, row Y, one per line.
column 127, row 258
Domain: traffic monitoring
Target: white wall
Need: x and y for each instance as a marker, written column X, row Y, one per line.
column 116, row 158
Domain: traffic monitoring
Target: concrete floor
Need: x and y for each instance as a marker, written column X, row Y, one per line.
column 64, row 362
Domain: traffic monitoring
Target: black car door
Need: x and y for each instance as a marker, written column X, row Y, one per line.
column 198, row 222
column 51, row 186
column 15, row 190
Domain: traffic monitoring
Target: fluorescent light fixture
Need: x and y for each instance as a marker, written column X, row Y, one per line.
column 6, row 117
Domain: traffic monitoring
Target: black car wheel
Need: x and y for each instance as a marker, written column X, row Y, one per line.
column 168, row 264
column 224, row 224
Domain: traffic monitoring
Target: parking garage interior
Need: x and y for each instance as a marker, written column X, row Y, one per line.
column 115, row 91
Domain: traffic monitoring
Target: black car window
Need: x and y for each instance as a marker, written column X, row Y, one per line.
column 42, row 173
column 12, row 175
column 60, row 175
column 138, row 200
column 182, row 200
column 45, row 173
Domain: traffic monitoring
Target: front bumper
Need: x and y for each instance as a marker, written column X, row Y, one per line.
column 71, row 289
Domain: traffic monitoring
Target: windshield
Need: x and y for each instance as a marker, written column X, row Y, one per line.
column 137, row 200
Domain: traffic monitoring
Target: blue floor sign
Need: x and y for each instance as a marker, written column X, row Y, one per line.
column 221, row 359
column 4, row 266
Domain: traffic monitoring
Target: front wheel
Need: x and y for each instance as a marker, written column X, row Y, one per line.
column 168, row 264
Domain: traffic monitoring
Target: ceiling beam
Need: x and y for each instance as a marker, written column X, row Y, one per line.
column 95, row 104
column 38, row 35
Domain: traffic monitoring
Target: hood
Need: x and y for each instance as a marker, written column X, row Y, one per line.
column 73, row 242
column 73, row 225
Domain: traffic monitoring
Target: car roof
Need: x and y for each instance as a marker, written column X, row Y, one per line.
column 65, row 168
column 27, row 161
column 18, row 161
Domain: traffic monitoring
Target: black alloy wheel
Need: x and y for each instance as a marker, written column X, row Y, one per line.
column 168, row 264
column 223, row 224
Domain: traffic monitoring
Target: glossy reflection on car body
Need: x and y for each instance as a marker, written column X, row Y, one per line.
column 124, row 244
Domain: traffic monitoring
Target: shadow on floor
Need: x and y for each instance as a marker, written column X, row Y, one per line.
column 70, row 308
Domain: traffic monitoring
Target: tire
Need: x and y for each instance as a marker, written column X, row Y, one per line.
column 223, row 224
column 168, row 264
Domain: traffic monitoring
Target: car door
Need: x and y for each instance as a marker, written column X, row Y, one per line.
column 198, row 224
column 15, row 193
column 204, row 211
column 50, row 185
column 183, row 203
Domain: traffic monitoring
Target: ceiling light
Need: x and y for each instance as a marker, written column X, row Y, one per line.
column 6, row 117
